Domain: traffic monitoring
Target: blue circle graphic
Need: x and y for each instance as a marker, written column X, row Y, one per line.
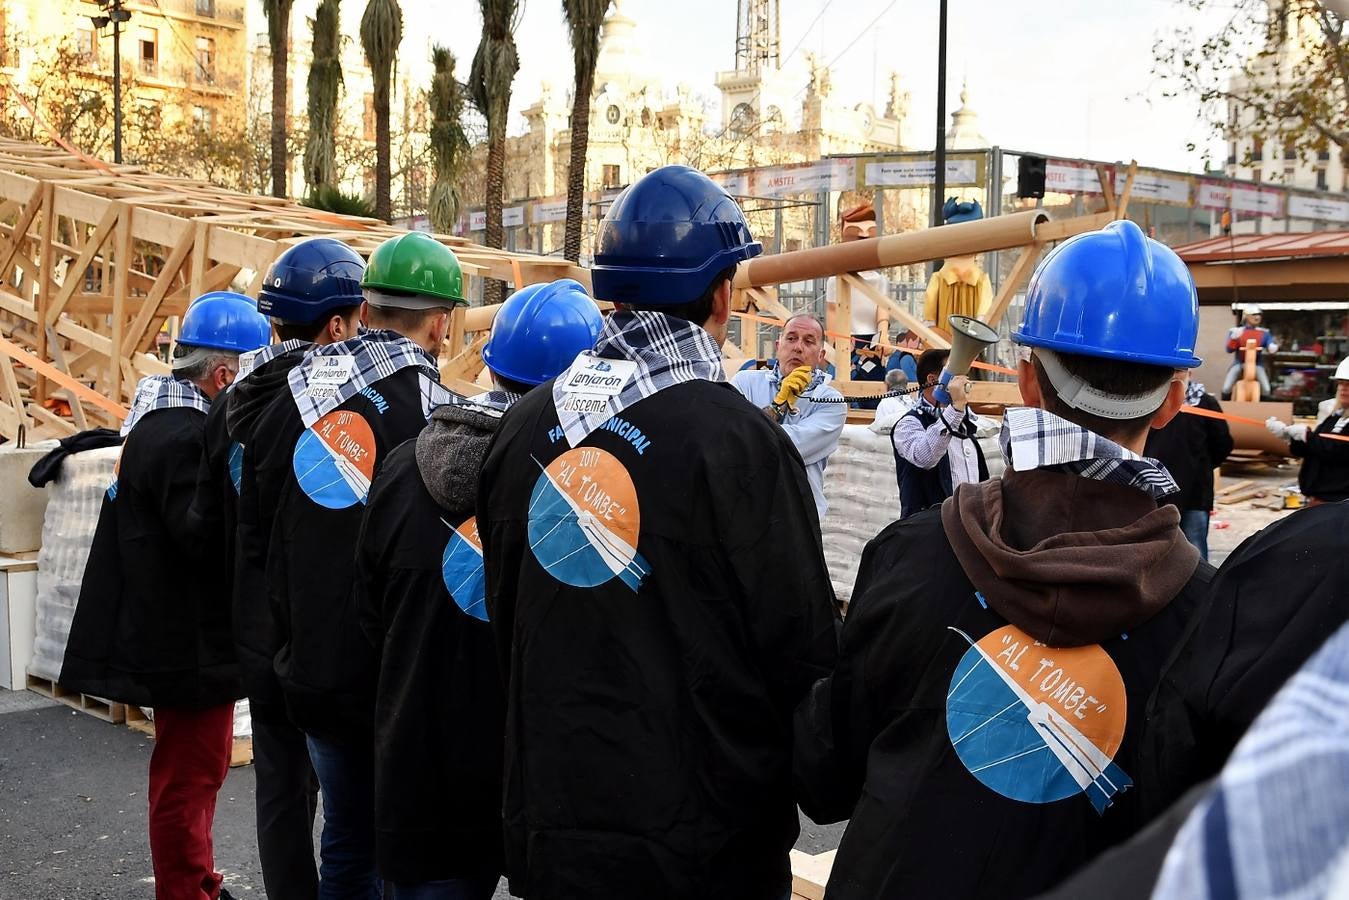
column 558, row 542
column 317, row 472
column 462, row 569
column 236, row 463
column 991, row 732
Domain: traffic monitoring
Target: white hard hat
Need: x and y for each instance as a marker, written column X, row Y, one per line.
column 1253, row 309
column 1342, row 371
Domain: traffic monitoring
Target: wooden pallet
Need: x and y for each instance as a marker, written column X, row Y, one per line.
column 241, row 753
column 97, row 707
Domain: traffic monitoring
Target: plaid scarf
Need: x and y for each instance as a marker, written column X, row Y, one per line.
column 817, row 378
column 1194, row 392
column 255, row 358
column 492, row 403
column 163, row 392
column 1276, row 823
column 374, row 356
column 1035, row 439
column 667, row 351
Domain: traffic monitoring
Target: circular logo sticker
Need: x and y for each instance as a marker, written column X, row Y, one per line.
column 334, row 460
column 462, row 569
column 1038, row 723
column 236, row 464
column 584, row 520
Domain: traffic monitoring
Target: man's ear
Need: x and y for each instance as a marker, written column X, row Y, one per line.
column 1175, row 399
column 721, row 303
column 1028, row 382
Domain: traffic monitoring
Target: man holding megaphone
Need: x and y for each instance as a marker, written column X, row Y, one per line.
column 934, row 443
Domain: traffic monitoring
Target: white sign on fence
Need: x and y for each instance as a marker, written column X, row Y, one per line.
column 545, row 213
column 806, row 178
column 477, row 221
column 1157, row 187
column 512, row 217
column 1325, row 209
column 920, row 173
column 1070, row 178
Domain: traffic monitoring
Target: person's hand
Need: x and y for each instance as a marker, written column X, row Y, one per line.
column 1286, row 432
column 793, row 386
column 959, row 388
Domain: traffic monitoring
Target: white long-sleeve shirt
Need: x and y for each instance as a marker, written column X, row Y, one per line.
column 925, row 447
column 814, row 428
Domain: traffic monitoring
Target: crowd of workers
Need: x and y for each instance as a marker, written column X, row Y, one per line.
column 577, row 629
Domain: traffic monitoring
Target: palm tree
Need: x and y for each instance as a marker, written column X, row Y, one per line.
column 278, row 40
column 325, row 78
column 584, row 18
column 494, row 68
column 381, row 33
column 449, row 144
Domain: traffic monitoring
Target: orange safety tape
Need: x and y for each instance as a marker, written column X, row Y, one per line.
column 1210, row 414
column 22, row 356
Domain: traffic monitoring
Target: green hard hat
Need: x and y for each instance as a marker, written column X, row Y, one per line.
column 413, row 271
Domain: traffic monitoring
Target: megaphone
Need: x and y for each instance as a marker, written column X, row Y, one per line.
column 969, row 337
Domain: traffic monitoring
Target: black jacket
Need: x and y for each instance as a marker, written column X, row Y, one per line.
column 152, row 626
column 947, row 773
column 1273, row 603
column 1191, row 447
column 220, row 482
column 439, row 710
column 1325, row 463
column 325, row 664
column 920, row 488
column 648, row 724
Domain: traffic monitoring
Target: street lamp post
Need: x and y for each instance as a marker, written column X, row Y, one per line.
column 939, row 170
column 116, row 15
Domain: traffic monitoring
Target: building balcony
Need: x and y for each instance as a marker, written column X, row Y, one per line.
column 222, row 12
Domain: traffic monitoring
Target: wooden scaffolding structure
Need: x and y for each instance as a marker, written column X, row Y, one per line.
column 94, row 258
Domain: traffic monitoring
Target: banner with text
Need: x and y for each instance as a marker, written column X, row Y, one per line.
column 1157, row 187
column 1324, row 209
column 1240, row 198
column 1063, row 177
column 917, row 173
column 806, row 178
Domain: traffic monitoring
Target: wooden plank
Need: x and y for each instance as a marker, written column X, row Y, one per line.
column 996, row 393
column 842, row 337
column 1232, row 488
column 468, row 363
column 1066, row 228
column 910, row 321
column 44, row 286
column 61, row 426
column 58, row 357
column 19, row 233
column 1122, row 207
column 150, row 305
column 23, row 357
column 1021, row 269
column 75, row 273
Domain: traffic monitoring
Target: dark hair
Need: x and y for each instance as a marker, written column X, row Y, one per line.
column 1110, row 376
column 695, row 311
column 930, row 363
column 403, row 321
column 511, row 385
column 310, row 331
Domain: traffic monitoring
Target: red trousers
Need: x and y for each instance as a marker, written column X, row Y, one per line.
column 187, row 768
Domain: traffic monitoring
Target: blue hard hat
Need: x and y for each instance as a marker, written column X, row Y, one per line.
column 310, row 280
column 953, row 212
column 666, row 237
column 224, row 320
column 1117, row 294
column 540, row 329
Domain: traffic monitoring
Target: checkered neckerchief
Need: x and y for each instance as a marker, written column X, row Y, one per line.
column 668, row 351
column 1276, row 823
column 255, row 358
column 1194, row 392
column 492, row 403
column 163, row 392
column 378, row 354
column 1035, row 439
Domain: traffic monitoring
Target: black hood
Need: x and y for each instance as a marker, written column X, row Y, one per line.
column 251, row 395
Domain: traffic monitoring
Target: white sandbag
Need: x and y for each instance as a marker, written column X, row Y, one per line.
column 67, row 532
column 863, row 496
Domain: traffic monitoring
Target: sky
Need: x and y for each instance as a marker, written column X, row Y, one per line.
column 1072, row 78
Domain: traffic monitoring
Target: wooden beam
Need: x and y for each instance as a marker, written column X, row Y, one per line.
column 1020, row 270
column 1066, row 228
column 1122, row 207
column 75, row 272
column 910, row 321
column 42, row 367
column 842, row 337
column 150, row 305
column 119, row 300
column 20, row 231
column 466, row 364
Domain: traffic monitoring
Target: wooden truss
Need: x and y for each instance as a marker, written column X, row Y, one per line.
column 94, row 258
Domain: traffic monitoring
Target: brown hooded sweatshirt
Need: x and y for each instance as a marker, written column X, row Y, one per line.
column 1069, row 560
column 983, row 728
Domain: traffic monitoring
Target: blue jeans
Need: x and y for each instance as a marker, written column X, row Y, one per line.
column 1194, row 524
column 346, row 774
column 449, row 889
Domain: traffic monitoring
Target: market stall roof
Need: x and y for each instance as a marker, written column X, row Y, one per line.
column 1292, row 266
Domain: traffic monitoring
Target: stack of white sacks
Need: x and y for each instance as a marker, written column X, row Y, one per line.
column 67, row 533
column 863, row 494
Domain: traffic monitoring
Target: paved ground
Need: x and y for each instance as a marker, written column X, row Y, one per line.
column 72, row 810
